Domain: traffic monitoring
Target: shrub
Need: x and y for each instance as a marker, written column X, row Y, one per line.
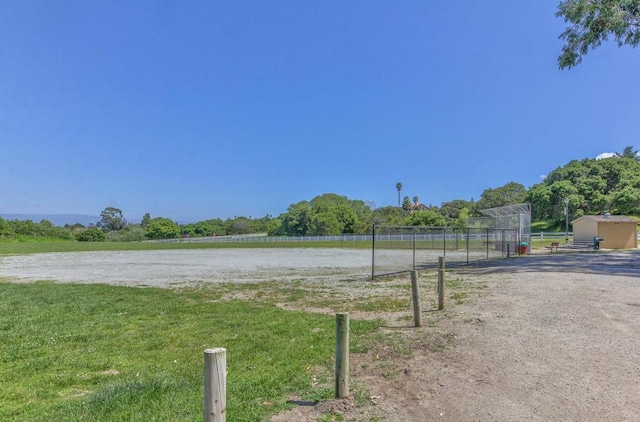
column 93, row 234
column 162, row 228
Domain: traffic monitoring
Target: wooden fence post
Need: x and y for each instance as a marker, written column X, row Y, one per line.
column 342, row 355
column 215, row 385
column 440, row 283
column 415, row 291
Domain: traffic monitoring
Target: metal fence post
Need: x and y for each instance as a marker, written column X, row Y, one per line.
column 467, row 245
column 487, row 243
column 444, row 242
column 440, row 283
column 414, row 249
column 415, row 293
column 373, row 252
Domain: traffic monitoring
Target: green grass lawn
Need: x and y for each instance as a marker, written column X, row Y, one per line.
column 104, row 353
column 11, row 248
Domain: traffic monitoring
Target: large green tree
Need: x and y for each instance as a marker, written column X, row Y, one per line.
column 591, row 186
column 630, row 152
column 593, row 21
column 297, row 220
column 239, row 225
column 162, row 228
column 261, row 225
column 325, row 215
column 205, row 228
column 511, row 193
column 275, row 227
column 431, row 218
column 461, row 221
column 389, row 215
column 451, row 210
column 364, row 216
column 111, row 219
column 332, row 214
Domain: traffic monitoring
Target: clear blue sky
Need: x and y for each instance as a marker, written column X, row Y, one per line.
column 202, row 109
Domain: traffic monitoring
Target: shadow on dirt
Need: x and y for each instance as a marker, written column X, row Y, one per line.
column 626, row 263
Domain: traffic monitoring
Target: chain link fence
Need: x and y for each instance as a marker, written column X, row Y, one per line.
column 397, row 249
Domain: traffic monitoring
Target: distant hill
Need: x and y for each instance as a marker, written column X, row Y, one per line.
column 56, row 219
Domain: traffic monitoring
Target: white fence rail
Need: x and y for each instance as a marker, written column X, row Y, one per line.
column 267, row 239
column 340, row 238
column 549, row 235
column 347, row 238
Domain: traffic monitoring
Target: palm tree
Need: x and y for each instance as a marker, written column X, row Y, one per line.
column 399, row 188
column 416, row 200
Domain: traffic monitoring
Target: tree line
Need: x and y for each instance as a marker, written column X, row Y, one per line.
column 591, row 186
column 115, row 228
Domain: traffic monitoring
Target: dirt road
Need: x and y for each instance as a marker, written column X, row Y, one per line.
column 549, row 338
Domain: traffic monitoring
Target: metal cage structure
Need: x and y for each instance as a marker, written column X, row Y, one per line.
column 508, row 217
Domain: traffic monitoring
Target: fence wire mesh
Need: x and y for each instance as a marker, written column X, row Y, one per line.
column 398, row 249
column 515, row 216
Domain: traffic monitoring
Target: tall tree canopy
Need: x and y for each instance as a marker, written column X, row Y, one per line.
column 452, row 209
column 112, row 219
column 431, row 218
column 630, row 152
column 297, row 220
column 240, row 225
column 511, row 193
column 389, row 215
column 332, row 215
column 162, row 228
column 327, row 214
column 211, row 227
column 592, row 22
column 592, row 187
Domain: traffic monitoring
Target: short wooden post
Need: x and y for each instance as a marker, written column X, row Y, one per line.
column 342, row 355
column 215, row 385
column 440, row 283
column 415, row 291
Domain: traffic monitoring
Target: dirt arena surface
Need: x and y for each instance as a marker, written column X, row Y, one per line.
column 173, row 268
column 537, row 338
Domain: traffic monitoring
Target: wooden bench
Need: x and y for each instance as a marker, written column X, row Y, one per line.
column 553, row 245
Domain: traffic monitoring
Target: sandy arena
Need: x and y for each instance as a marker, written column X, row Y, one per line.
column 172, row 268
